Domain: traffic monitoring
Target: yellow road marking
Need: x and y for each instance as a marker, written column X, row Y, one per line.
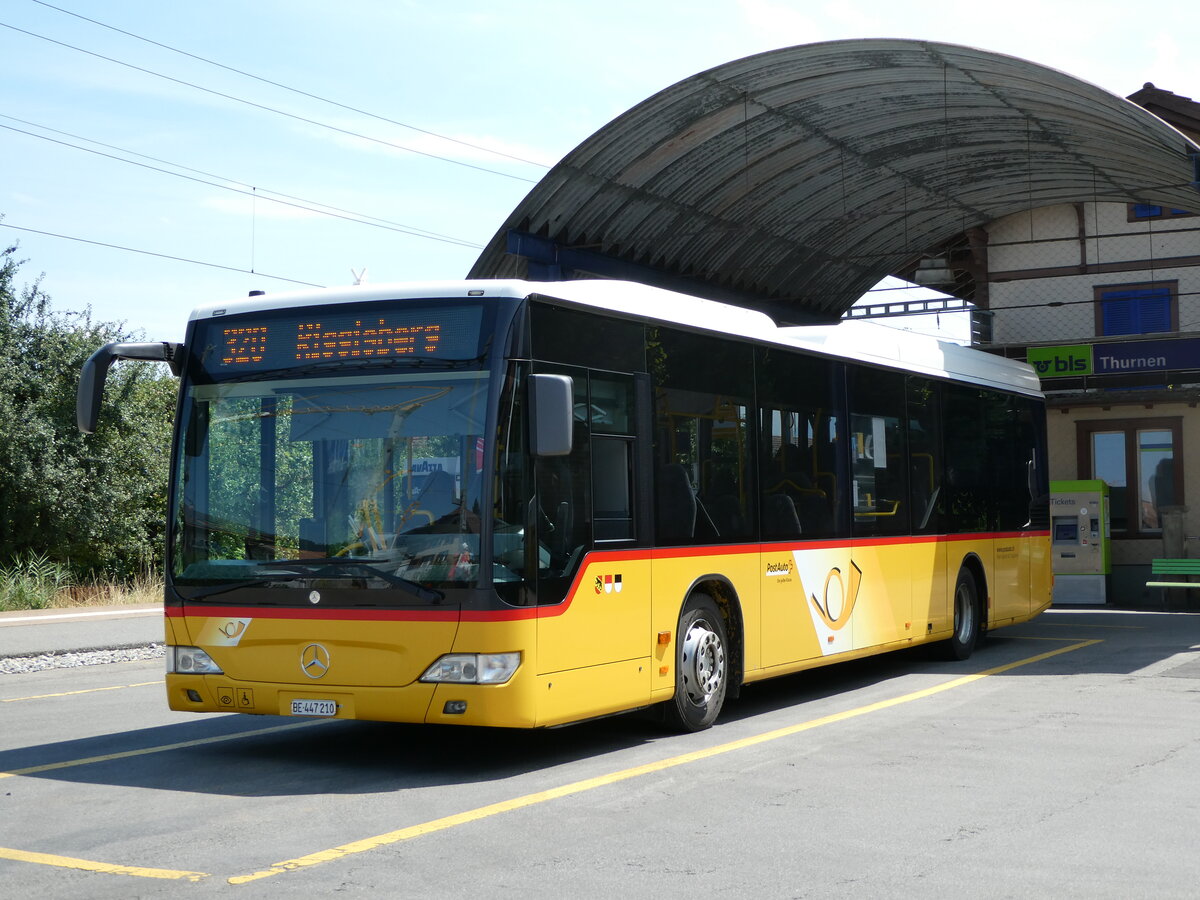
column 69, row 862
column 161, row 748
column 1031, row 637
column 494, row 809
column 115, row 687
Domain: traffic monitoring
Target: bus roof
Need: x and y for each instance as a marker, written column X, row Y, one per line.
column 866, row 342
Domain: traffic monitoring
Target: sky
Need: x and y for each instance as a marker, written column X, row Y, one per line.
column 141, row 175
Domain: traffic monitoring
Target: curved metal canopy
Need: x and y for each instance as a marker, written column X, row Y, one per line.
column 794, row 180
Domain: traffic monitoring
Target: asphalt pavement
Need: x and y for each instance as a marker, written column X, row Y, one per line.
column 41, row 631
column 1058, row 761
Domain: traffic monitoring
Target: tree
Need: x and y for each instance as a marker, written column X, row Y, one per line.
column 97, row 502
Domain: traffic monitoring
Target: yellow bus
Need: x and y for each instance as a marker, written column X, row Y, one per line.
column 527, row 504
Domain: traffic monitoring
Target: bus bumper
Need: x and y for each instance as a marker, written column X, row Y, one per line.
column 505, row 705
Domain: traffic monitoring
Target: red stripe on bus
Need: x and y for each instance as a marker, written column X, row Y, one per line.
column 276, row 612
column 597, row 556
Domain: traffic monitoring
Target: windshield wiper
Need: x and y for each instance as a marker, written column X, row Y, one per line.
column 251, row 582
column 314, row 566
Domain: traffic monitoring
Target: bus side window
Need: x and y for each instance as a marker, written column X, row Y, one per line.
column 702, row 426
column 968, row 491
column 611, row 419
column 612, row 486
column 879, row 454
column 800, row 446
column 924, row 455
column 676, row 505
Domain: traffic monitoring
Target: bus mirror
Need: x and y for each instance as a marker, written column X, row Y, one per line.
column 551, row 398
column 95, row 373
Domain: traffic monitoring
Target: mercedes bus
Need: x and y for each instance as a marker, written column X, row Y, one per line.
column 527, row 504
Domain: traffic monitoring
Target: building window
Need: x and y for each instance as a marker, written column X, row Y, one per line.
column 1142, row 462
column 1137, row 308
column 1144, row 212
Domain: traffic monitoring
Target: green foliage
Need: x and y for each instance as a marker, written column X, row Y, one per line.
column 95, row 502
column 32, row 583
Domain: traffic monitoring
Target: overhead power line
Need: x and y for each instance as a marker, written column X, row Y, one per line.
column 294, row 90
column 270, row 109
column 194, row 262
column 244, row 189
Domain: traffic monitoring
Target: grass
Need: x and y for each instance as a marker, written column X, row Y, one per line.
column 37, row 582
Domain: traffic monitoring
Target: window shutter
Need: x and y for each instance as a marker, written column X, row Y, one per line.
column 1118, row 316
column 1155, row 313
column 1135, row 311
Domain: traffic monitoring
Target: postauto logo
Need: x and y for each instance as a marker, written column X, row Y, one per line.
column 1059, row 362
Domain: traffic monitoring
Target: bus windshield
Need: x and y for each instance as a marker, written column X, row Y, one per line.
column 370, row 482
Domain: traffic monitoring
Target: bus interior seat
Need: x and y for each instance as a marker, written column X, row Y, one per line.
column 435, row 500
column 779, row 516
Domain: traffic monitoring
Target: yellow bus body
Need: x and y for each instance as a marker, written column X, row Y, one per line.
column 610, row 646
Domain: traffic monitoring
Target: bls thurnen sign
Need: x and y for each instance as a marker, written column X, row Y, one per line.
column 1116, row 358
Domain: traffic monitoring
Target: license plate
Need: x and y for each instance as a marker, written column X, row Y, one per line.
column 314, row 708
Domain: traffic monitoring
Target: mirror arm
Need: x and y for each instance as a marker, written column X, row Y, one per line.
column 95, row 373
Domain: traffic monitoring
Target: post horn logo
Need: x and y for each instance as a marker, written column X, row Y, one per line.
column 838, row 601
column 233, row 629
column 314, row 661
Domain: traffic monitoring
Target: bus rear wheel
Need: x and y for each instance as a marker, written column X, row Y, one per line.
column 701, row 666
column 967, row 618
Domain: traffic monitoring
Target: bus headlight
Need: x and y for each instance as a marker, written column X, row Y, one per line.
column 190, row 661
column 473, row 668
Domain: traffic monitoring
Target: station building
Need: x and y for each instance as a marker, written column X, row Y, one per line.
column 1103, row 299
column 793, row 181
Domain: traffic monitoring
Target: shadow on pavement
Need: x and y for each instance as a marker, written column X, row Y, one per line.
column 263, row 756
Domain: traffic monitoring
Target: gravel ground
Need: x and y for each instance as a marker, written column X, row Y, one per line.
column 20, row 665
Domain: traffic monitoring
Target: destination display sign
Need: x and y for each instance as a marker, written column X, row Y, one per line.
column 287, row 338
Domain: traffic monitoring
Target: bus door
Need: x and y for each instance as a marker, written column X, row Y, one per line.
column 881, row 507
column 804, row 563
column 593, row 587
column 1015, row 459
column 927, row 554
column 809, row 582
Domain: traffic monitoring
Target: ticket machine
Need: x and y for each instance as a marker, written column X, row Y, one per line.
column 1080, row 539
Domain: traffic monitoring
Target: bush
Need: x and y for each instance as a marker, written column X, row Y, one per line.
column 95, row 501
column 32, row 582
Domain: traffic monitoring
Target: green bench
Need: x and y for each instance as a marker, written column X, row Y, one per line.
column 1174, row 567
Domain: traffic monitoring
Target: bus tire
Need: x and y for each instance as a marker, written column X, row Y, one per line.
column 701, row 666
column 967, row 618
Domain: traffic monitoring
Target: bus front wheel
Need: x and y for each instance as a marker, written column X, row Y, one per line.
column 967, row 618
column 701, row 666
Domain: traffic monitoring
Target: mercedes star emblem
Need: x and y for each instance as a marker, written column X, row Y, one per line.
column 314, row 661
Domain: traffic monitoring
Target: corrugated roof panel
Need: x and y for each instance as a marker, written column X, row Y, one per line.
column 811, row 172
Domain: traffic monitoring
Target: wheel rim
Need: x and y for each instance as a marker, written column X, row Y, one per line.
column 703, row 666
column 964, row 613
